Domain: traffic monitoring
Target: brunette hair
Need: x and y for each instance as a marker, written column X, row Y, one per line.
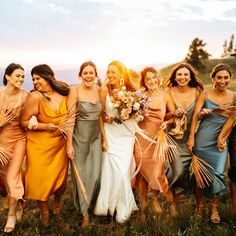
column 47, row 73
column 218, row 68
column 144, row 73
column 9, row 70
column 195, row 82
column 88, row 63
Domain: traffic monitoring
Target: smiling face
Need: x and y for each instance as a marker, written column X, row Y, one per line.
column 40, row 84
column 182, row 77
column 221, row 80
column 151, row 81
column 16, row 79
column 88, row 76
column 113, row 75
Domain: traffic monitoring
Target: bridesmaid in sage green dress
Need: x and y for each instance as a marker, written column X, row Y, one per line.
column 184, row 88
column 85, row 144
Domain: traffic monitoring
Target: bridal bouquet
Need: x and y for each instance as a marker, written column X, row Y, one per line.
column 131, row 104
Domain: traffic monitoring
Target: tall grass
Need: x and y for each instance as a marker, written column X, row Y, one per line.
column 69, row 220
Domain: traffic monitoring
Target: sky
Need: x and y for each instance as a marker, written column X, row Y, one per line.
column 65, row 33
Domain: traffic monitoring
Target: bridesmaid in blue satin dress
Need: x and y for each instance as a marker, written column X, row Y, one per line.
column 204, row 143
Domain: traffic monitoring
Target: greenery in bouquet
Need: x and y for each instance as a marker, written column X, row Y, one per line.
column 131, row 104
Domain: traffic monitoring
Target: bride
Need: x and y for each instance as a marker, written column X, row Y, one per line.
column 118, row 141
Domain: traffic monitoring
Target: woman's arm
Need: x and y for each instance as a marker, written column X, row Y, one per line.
column 170, row 107
column 103, row 93
column 30, row 109
column 71, row 104
column 224, row 134
column 197, row 112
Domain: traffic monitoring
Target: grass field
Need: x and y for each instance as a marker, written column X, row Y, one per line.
column 69, row 220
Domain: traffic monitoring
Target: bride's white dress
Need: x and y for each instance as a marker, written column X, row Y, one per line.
column 115, row 191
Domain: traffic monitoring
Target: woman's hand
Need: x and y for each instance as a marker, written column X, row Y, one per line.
column 33, row 123
column 190, row 144
column 106, row 118
column 179, row 112
column 221, row 144
column 51, row 127
column 104, row 145
column 70, row 151
column 205, row 112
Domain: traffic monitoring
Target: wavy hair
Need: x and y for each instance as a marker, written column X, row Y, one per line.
column 195, row 82
column 44, row 71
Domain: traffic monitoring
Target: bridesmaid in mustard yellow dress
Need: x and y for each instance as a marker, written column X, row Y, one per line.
column 12, row 139
column 47, row 161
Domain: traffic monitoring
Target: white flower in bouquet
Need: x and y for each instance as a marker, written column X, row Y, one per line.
column 136, row 106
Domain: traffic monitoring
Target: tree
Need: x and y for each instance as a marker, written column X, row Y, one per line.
column 225, row 47
column 197, row 54
column 231, row 43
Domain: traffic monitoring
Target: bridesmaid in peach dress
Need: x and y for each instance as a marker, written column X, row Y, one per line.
column 12, row 139
column 152, row 175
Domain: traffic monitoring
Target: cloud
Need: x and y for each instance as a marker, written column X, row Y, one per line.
column 57, row 9
column 28, row 1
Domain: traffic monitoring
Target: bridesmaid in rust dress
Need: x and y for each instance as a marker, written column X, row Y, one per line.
column 152, row 175
column 12, row 140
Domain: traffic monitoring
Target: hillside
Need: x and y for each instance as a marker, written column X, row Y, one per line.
column 204, row 73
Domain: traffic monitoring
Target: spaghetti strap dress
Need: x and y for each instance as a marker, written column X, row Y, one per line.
column 13, row 137
column 88, row 154
column 206, row 148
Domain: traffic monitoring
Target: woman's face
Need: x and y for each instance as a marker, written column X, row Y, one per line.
column 221, row 80
column 182, row 77
column 88, row 76
column 16, row 79
column 113, row 75
column 151, row 81
column 40, row 84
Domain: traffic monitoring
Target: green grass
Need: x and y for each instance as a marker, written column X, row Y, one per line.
column 69, row 220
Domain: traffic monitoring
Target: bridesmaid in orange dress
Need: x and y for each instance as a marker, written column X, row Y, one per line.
column 152, row 175
column 46, row 157
column 12, row 139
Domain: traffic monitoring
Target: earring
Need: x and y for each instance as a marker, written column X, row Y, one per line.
column 122, row 81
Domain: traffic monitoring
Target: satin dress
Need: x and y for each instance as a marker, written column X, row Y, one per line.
column 206, row 148
column 13, row 136
column 47, row 161
column 116, row 193
column 152, row 170
column 88, row 153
